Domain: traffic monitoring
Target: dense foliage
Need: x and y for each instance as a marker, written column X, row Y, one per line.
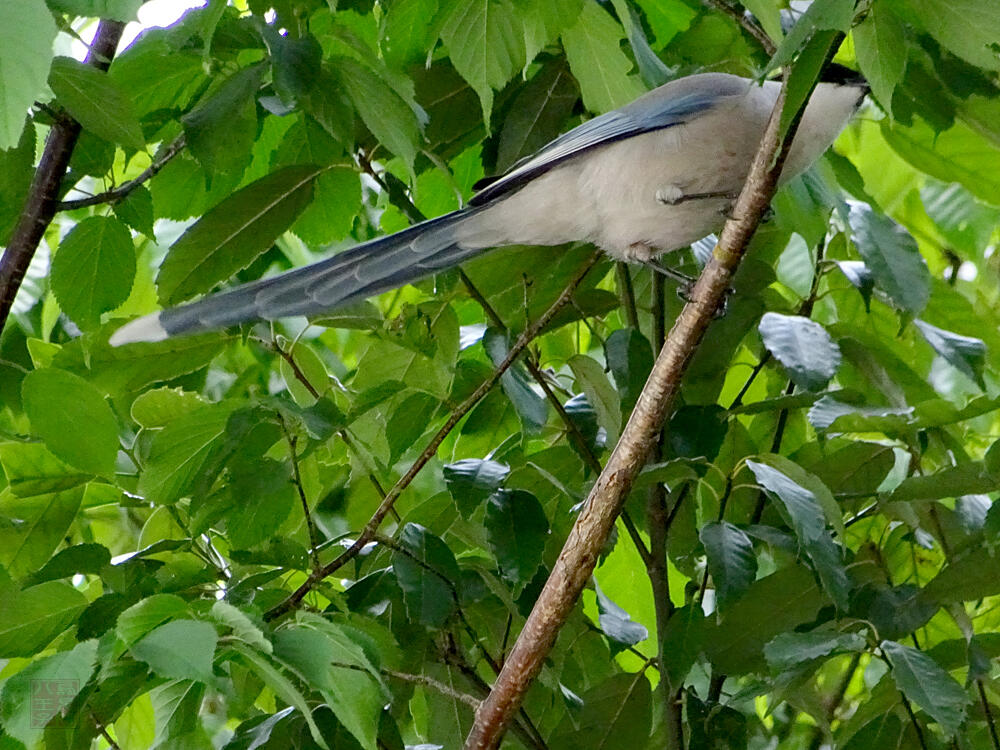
column 330, row 535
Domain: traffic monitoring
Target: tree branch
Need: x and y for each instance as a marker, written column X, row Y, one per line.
column 582, row 548
column 368, row 533
column 43, row 195
column 122, row 191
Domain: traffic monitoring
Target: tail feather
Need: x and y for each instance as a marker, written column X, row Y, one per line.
column 362, row 271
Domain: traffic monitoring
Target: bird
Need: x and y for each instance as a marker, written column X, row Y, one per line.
column 648, row 178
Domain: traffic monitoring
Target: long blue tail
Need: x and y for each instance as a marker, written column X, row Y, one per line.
column 362, row 271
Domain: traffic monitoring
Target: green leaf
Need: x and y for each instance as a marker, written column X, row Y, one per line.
column 294, row 61
column 538, row 114
column 221, row 129
column 330, row 216
column 96, row 102
column 282, row 687
column 320, row 658
column 181, row 649
column 27, row 31
column 921, row 680
column 531, row 407
column 73, row 419
column 968, row 28
column 617, row 715
column 80, row 558
column 800, row 505
column 262, row 496
column 31, row 618
column 967, row 478
column 595, row 57
column 232, row 234
column 616, row 623
column 860, row 277
column 406, row 34
column 959, row 154
column 160, row 406
column 593, row 381
column 485, row 41
column 819, row 16
column 242, row 626
column 427, row 573
column 35, row 696
column 731, row 560
column 176, row 707
column 126, row 369
column 386, row 114
column 143, row 617
column 630, row 359
column 308, row 367
column 772, row 605
column 788, row 650
column 965, row 353
column 116, row 10
column 973, row 575
column 16, row 172
column 180, row 450
column 93, row 270
column 803, row 346
column 471, row 480
column 682, row 639
column 136, row 210
column 880, row 44
column 892, row 256
column 42, row 523
column 516, row 528
column 32, row 470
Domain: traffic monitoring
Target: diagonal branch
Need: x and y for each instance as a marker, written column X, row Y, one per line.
column 586, row 539
column 368, row 533
column 43, row 196
column 116, row 194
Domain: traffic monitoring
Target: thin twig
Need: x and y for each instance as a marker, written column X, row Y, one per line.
column 627, row 293
column 749, row 25
column 989, row 714
column 43, row 195
column 314, row 540
column 422, row 679
column 368, row 533
column 112, row 745
column 116, row 194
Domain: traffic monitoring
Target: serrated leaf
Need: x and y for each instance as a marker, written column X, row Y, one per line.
column 27, row 31
column 731, row 560
column 925, row 683
column 880, row 44
column 73, row 419
column 180, row 450
column 41, row 526
column 96, row 102
column 93, row 270
column 485, row 41
column 630, row 358
column 531, row 407
column 617, row 714
column 405, row 34
column 221, row 128
column 136, row 210
column 231, row 235
column 790, row 649
column 803, row 346
column 860, row 277
column 242, row 626
column 427, row 572
column 968, row 28
column 516, row 528
column 309, row 368
column 143, row 617
column 965, row 353
column 819, row 16
column 31, row 618
column 472, row 480
column 595, row 57
column 594, row 382
column 88, row 557
column 262, row 500
column 537, row 114
column 32, row 470
column 181, row 649
column 892, row 257
column 22, row 709
column 116, row 10
column 386, row 114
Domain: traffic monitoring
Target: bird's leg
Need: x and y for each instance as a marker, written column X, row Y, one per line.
column 673, row 195
column 686, row 283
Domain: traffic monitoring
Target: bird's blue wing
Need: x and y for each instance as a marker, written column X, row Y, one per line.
column 654, row 111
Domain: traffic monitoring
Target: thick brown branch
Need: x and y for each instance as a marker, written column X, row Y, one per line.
column 43, row 196
column 122, row 191
column 368, row 533
column 582, row 548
